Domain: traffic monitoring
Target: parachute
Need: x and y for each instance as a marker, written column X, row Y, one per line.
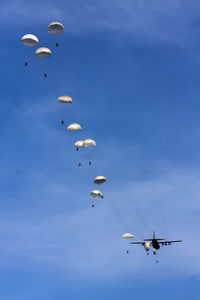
column 89, row 142
column 43, row 52
column 79, row 144
column 85, row 143
column 147, row 246
column 99, row 179
column 30, row 40
column 64, row 99
column 74, row 126
column 96, row 194
column 55, row 27
column 128, row 236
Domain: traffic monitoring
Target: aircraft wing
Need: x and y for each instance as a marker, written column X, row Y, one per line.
column 137, row 243
column 169, row 242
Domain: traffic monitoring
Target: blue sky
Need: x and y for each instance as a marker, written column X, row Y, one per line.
column 132, row 69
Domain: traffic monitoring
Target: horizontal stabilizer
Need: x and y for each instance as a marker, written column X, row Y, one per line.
column 152, row 239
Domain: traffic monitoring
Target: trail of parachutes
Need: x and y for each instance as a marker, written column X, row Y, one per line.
column 44, row 52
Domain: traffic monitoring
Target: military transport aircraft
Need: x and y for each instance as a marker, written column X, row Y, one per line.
column 155, row 243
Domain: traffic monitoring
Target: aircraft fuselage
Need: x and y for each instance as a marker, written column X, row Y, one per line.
column 155, row 244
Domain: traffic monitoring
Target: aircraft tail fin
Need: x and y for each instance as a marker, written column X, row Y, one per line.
column 154, row 238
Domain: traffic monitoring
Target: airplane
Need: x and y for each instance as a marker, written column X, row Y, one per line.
column 155, row 243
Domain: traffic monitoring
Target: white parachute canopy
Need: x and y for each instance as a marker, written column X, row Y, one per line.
column 65, row 99
column 30, row 40
column 55, row 27
column 89, row 142
column 147, row 246
column 96, row 194
column 99, row 179
column 74, row 126
column 79, row 144
column 128, row 236
column 43, row 52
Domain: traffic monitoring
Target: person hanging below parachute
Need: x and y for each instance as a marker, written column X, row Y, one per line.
column 64, row 99
column 29, row 40
column 84, row 144
column 96, row 194
column 56, row 28
column 43, row 52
